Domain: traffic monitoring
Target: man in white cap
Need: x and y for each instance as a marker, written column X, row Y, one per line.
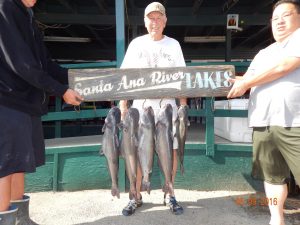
column 149, row 51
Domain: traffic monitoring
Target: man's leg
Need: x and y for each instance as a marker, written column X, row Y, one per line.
column 19, row 200
column 137, row 200
column 172, row 202
column 8, row 213
column 270, row 165
column 17, row 184
column 5, row 192
column 276, row 195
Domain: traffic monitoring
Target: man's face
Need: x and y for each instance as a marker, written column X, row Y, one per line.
column 155, row 23
column 29, row 3
column 285, row 20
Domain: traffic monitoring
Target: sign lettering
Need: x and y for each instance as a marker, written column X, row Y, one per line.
column 117, row 84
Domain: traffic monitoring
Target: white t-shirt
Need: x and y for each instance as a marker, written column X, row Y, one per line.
column 143, row 52
column 276, row 103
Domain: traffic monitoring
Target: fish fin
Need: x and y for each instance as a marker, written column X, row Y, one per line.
column 176, row 134
column 117, row 141
column 120, row 125
column 188, row 123
column 140, row 132
column 177, row 119
column 103, row 128
column 135, row 141
column 101, row 152
column 176, row 124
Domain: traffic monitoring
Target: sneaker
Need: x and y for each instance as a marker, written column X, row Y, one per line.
column 130, row 208
column 175, row 207
column 139, row 202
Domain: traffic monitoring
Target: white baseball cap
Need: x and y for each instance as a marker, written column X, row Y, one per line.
column 155, row 7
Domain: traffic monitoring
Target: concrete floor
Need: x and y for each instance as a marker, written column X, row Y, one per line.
column 97, row 207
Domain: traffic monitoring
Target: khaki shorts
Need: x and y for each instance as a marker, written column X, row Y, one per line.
column 276, row 151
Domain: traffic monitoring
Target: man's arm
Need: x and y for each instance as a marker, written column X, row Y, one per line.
column 19, row 56
column 283, row 68
column 58, row 72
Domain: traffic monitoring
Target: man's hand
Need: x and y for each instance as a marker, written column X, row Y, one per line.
column 183, row 101
column 72, row 97
column 239, row 87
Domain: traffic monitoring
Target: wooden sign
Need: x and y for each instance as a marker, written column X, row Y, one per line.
column 175, row 82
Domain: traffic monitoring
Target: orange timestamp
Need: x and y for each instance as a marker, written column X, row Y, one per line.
column 255, row 201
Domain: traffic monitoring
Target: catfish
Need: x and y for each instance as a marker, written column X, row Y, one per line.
column 111, row 146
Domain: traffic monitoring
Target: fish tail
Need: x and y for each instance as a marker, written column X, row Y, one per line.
column 101, row 153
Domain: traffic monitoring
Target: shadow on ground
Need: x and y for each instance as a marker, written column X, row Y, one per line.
column 232, row 210
column 97, row 207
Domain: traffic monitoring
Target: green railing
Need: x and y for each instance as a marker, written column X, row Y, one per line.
column 208, row 112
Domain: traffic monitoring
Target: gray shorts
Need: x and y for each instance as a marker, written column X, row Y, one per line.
column 22, row 147
column 276, row 152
